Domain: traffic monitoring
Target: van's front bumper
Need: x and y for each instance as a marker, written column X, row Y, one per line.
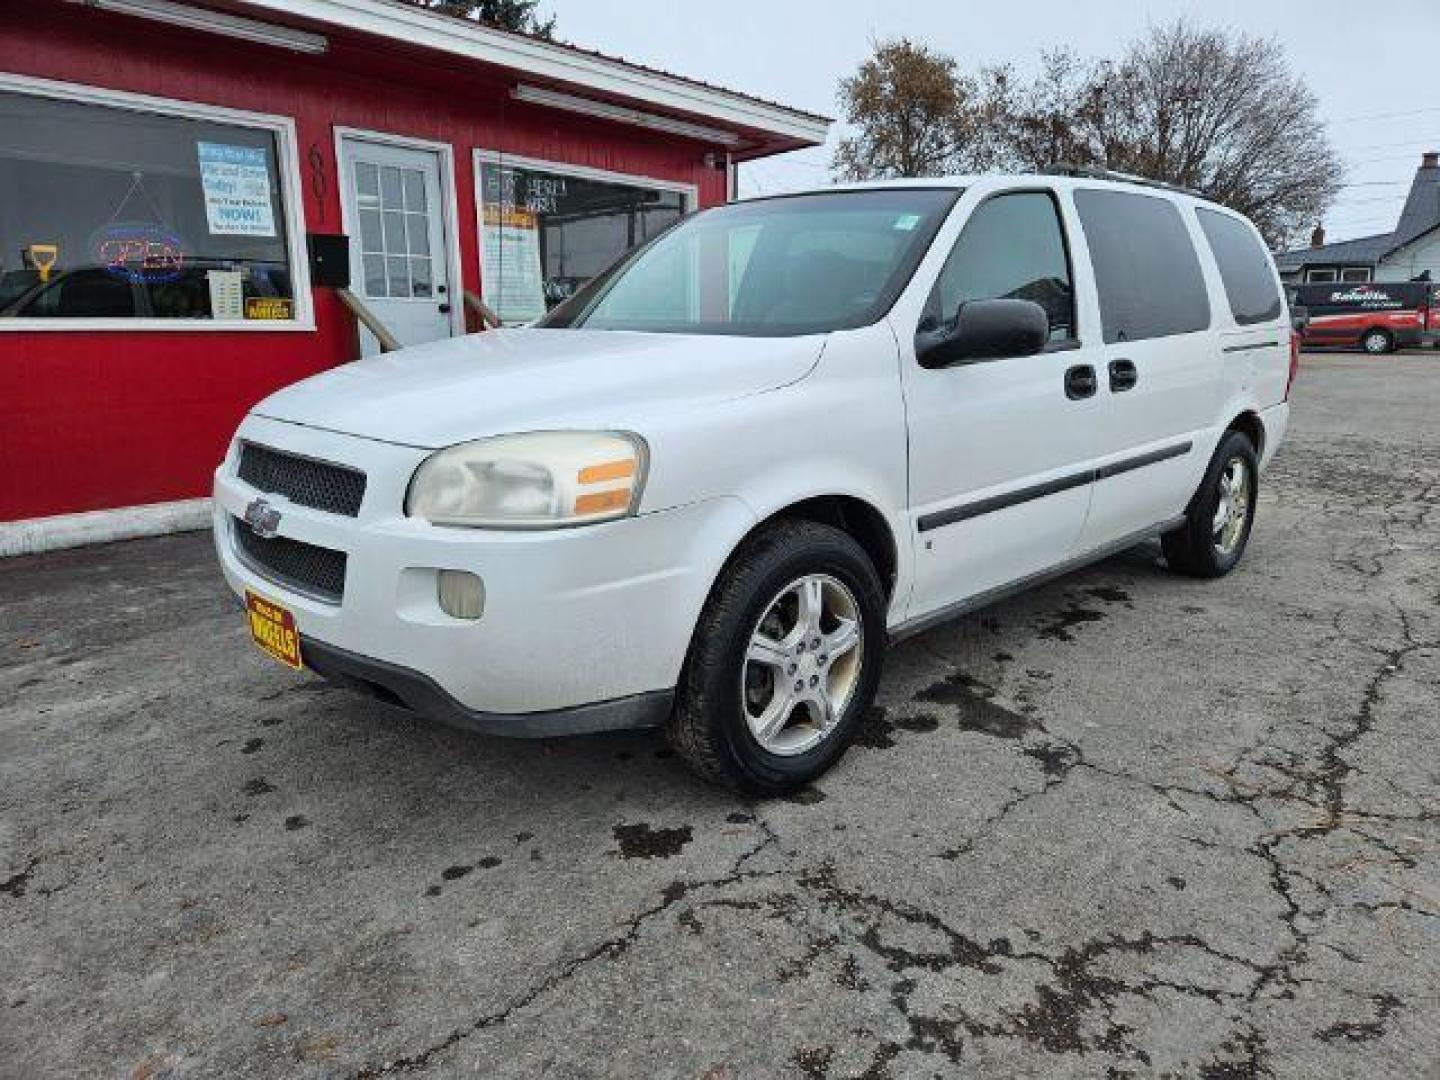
column 582, row 628
column 417, row 691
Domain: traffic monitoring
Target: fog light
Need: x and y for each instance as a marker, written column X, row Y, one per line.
column 461, row 594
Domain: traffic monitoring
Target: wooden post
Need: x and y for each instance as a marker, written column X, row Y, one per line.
column 368, row 319
column 488, row 319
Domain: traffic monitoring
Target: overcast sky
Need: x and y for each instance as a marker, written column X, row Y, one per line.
column 1373, row 66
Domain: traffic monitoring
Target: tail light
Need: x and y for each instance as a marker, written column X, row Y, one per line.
column 1294, row 361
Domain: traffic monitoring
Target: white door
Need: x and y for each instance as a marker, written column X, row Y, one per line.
column 398, row 239
column 1161, row 377
column 1001, row 450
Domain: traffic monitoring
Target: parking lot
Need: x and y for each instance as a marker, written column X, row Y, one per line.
column 1129, row 824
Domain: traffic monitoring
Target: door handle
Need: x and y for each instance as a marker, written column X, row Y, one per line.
column 1080, row 382
column 1123, row 375
column 444, row 309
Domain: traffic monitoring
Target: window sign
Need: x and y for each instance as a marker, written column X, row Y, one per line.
column 236, row 180
column 545, row 232
column 118, row 213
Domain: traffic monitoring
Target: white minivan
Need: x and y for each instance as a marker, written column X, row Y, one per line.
column 707, row 492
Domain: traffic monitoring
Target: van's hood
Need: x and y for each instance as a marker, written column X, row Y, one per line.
column 525, row 380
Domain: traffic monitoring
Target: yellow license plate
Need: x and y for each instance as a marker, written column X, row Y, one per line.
column 273, row 628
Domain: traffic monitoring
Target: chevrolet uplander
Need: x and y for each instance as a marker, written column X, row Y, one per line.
column 708, row 490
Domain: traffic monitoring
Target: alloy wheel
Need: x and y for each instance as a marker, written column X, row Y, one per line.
column 1233, row 510
column 802, row 664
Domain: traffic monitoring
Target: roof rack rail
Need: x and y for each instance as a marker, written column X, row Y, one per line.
column 1093, row 172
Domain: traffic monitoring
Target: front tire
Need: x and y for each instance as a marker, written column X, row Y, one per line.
column 1220, row 515
column 785, row 660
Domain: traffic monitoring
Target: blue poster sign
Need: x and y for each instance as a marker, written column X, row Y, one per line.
column 236, row 180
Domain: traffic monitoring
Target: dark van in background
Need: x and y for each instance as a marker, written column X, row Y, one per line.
column 1376, row 317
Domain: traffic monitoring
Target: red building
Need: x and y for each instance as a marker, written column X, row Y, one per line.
column 167, row 170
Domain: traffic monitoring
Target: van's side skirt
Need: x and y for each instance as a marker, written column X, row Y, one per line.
column 980, row 600
column 938, row 519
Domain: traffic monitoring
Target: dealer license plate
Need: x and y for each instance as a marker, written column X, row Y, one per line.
column 273, row 629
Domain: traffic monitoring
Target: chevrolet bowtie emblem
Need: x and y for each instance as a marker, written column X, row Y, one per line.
column 263, row 519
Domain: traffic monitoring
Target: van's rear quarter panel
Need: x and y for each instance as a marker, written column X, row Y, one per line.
column 91, row 420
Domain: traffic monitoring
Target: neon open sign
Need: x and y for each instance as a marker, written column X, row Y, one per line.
column 143, row 254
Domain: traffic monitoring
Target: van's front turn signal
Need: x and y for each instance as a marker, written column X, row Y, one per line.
column 535, row 480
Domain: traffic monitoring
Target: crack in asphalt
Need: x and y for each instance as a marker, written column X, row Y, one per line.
column 611, row 948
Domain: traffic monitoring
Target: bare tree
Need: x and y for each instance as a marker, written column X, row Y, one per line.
column 910, row 111
column 517, row 15
column 1216, row 111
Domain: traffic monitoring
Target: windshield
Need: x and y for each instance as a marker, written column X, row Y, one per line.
column 799, row 264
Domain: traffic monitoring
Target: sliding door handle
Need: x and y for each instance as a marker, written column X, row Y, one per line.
column 1080, row 382
column 1123, row 375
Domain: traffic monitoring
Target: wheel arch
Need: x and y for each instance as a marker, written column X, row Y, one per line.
column 1249, row 424
column 858, row 518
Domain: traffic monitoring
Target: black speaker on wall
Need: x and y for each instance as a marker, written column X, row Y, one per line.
column 329, row 259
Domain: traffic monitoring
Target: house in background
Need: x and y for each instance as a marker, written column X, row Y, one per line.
column 1409, row 251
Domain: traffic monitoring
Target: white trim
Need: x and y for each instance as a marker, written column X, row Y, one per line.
column 544, row 60
column 603, row 110
column 291, row 194
column 450, row 205
column 34, row 535
column 584, row 172
column 689, row 192
column 214, row 22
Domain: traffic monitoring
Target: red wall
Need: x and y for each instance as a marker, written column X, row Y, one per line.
column 94, row 420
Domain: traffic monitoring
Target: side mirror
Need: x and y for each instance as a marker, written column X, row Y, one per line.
column 985, row 330
column 1299, row 319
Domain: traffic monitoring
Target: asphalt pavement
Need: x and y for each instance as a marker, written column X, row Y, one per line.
column 1125, row 825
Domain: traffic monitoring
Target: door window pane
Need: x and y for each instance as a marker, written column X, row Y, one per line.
column 391, row 197
column 367, row 182
column 375, row 276
column 1245, row 268
column 418, row 228
column 114, row 213
column 399, row 275
column 415, row 191
column 1012, row 247
column 420, row 282
column 545, row 233
column 370, row 236
column 395, row 232
column 1146, row 271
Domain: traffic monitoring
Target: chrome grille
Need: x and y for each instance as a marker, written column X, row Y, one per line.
column 308, row 569
column 320, row 485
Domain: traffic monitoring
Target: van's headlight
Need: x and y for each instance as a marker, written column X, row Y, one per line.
column 538, row 480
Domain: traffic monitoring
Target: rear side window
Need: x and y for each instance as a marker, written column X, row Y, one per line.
column 1147, row 274
column 1244, row 267
column 1013, row 248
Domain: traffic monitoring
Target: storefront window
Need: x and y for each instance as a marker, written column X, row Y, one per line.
column 545, row 232
column 116, row 214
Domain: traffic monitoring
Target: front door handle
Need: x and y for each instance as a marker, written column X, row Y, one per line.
column 444, row 309
column 1080, row 382
column 1123, row 375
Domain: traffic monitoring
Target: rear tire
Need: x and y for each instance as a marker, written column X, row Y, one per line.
column 1377, row 342
column 1220, row 515
column 785, row 660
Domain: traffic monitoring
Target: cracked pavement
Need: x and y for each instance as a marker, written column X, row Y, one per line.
column 1125, row 825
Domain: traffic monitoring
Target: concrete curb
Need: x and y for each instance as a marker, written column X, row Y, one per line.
column 35, row 535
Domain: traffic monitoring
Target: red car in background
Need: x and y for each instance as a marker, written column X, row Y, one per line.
column 1376, row 317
